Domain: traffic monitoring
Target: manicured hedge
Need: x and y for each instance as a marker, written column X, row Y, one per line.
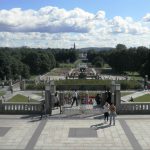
column 130, row 84
column 83, row 84
column 95, row 84
column 82, row 87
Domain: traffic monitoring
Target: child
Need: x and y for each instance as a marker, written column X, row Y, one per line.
column 106, row 111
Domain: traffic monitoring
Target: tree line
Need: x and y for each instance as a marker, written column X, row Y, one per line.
column 26, row 61
column 122, row 59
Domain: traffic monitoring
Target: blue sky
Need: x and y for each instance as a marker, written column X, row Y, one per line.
column 60, row 23
column 124, row 8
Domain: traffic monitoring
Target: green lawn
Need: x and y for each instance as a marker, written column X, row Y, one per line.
column 33, row 77
column 77, row 62
column 136, row 78
column 66, row 65
column 126, row 93
column 129, row 73
column 106, row 66
column 58, row 71
column 144, row 98
column 20, row 98
column 134, row 75
column 2, row 93
column 70, row 65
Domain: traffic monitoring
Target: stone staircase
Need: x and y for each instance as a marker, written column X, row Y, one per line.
column 82, row 109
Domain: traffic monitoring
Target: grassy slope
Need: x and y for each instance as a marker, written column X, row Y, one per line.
column 2, row 93
column 144, row 98
column 20, row 98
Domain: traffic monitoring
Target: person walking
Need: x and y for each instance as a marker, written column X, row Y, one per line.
column 75, row 98
column 56, row 104
column 43, row 110
column 112, row 109
column 108, row 99
column 106, row 112
column 2, row 84
column 11, row 89
column 28, row 99
column 98, row 99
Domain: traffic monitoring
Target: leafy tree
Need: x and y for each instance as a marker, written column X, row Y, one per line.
column 91, row 54
column 98, row 61
column 121, row 47
column 25, row 72
column 5, row 65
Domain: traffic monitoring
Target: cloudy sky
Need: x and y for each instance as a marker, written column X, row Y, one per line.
column 88, row 23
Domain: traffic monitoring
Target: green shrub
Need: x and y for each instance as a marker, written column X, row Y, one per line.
column 130, row 84
column 82, row 87
column 83, row 84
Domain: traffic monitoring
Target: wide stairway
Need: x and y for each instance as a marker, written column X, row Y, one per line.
column 82, row 110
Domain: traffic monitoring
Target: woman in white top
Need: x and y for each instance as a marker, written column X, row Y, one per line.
column 56, row 104
column 106, row 111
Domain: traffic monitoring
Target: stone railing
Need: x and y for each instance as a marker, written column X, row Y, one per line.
column 134, row 108
column 20, row 108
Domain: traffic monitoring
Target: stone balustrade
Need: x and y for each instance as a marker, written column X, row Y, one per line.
column 20, row 108
column 134, row 108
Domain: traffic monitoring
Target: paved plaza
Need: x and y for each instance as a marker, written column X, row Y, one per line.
column 29, row 132
column 71, row 131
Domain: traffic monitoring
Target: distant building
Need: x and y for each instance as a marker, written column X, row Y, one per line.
column 83, row 56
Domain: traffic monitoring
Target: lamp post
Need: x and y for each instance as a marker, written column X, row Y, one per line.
column 52, row 87
column 52, row 93
column 117, row 87
column 112, row 91
column 117, row 97
column 48, row 99
column 20, row 78
column 146, row 79
column 113, row 86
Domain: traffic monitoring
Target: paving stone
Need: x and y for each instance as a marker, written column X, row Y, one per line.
column 82, row 132
column 4, row 130
column 54, row 134
column 18, row 135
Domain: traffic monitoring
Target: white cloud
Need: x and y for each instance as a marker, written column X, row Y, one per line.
column 100, row 15
column 55, row 27
column 47, row 19
column 147, row 17
column 128, row 26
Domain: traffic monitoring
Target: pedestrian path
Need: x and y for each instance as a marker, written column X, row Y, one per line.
column 134, row 95
column 28, row 133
